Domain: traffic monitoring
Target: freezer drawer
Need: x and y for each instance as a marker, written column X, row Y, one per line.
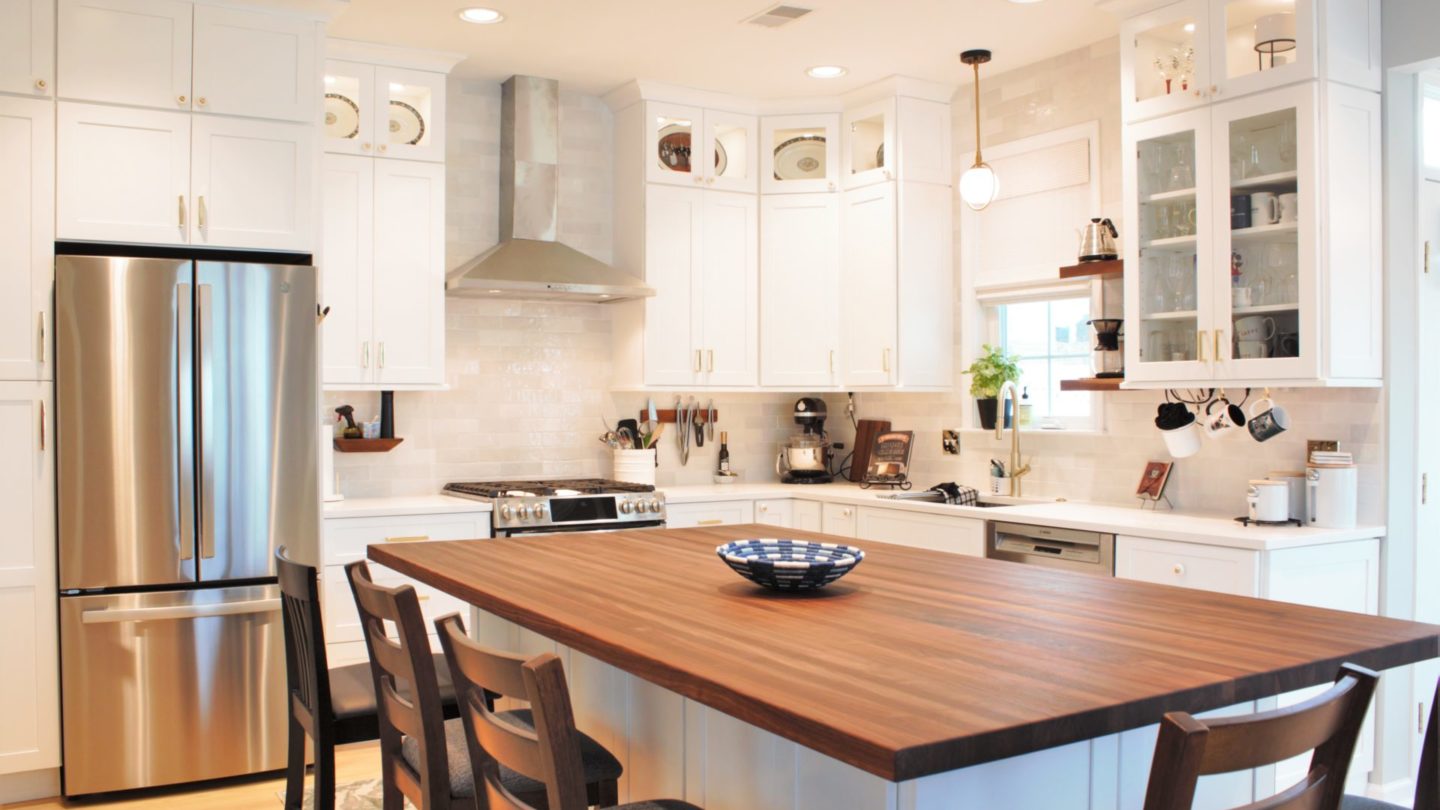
column 175, row 686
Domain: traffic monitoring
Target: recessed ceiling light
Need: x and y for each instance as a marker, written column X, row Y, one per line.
column 493, row 292
column 1189, row 28
column 481, row 16
column 826, row 72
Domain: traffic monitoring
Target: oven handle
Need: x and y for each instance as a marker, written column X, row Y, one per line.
column 576, row 530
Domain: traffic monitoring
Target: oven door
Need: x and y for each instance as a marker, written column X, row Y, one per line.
column 580, row 527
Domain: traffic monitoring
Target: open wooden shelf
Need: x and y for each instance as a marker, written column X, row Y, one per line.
column 1114, row 268
column 366, row 445
column 1092, row 384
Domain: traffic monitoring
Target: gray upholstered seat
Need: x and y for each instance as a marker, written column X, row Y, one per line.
column 658, row 804
column 600, row 764
column 1349, row 802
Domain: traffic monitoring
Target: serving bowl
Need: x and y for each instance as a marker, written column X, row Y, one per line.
column 790, row 565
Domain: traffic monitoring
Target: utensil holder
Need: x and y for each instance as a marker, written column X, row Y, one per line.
column 635, row 466
column 999, row 485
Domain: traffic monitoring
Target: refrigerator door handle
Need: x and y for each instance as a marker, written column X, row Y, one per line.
column 203, row 409
column 116, row 615
column 184, row 441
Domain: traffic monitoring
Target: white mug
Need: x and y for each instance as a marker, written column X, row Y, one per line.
column 1240, row 296
column 1251, row 349
column 1289, row 207
column 1254, row 327
column 1264, row 209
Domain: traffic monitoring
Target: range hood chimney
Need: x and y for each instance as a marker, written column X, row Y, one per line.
column 529, row 262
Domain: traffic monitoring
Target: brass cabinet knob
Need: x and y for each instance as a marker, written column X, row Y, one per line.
column 41, row 84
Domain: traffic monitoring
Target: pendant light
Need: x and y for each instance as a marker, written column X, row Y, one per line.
column 978, row 185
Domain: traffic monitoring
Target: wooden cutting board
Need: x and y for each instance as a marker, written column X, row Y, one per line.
column 865, row 433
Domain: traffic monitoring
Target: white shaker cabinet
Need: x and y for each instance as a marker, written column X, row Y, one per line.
column 839, row 519
column 775, row 512
column 868, row 280
column 27, row 230
column 713, row 513
column 806, row 515
column 955, row 535
column 255, row 64
column 126, row 52
column 347, row 267
column 251, row 183
column 676, row 135
column 409, row 275
column 799, row 290
column 27, row 47
column 800, row 154
column 674, row 224
column 30, row 678
column 123, row 175
column 729, row 288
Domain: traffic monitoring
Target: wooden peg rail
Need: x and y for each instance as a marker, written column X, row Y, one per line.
column 668, row 416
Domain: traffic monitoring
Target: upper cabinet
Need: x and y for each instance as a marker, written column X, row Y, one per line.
column 1195, row 52
column 672, row 132
column 800, row 153
column 254, row 64
column 27, row 47
column 384, row 111
column 800, row 275
column 869, row 144
column 27, row 232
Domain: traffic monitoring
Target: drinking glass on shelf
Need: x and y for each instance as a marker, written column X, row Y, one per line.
column 1182, row 174
column 1189, row 280
column 1287, row 145
column 1151, row 167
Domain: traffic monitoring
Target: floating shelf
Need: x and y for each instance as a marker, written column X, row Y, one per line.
column 1092, row 384
column 1178, row 315
column 1277, row 180
column 1113, row 268
column 1170, row 242
column 1259, row 232
column 1166, row 196
column 366, row 445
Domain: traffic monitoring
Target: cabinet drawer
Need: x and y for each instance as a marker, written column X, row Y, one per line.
column 774, row 512
column 717, row 513
column 346, row 538
column 1206, row 568
column 342, row 619
column 837, row 518
column 956, row 535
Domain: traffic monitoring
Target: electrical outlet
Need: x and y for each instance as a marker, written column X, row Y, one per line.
column 950, row 442
column 1322, row 445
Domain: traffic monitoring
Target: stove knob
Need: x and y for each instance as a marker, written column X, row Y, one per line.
column 540, row 511
column 626, row 507
column 506, row 513
column 522, row 512
column 654, row 506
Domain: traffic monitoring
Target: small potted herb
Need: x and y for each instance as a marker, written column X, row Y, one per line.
column 990, row 371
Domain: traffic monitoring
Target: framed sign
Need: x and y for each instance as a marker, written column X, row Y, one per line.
column 1153, row 480
column 890, row 460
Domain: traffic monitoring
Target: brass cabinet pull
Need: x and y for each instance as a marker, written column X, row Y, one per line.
column 413, row 538
column 709, row 359
column 181, row 197
column 42, row 337
column 1200, row 346
column 715, row 522
column 364, row 354
column 200, row 212
column 885, row 363
column 832, row 361
column 699, row 357
column 380, row 358
column 1218, row 340
column 42, row 425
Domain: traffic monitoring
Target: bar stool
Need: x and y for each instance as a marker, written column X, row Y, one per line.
column 1329, row 724
column 550, row 745
column 423, row 757
column 330, row 706
column 1427, row 781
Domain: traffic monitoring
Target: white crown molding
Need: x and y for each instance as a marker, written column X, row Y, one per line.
column 639, row 90
column 352, row 50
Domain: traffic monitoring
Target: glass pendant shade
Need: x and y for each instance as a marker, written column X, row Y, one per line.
column 978, row 186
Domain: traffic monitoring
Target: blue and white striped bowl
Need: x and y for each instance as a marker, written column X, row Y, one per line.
column 790, row 565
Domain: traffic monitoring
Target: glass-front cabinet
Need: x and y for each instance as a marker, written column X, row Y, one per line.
column 1260, row 44
column 675, row 131
column 799, row 153
column 384, row 111
column 868, row 143
column 349, row 108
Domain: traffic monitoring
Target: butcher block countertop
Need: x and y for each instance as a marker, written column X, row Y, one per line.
column 917, row 662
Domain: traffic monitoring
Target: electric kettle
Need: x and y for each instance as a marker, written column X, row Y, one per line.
column 1097, row 241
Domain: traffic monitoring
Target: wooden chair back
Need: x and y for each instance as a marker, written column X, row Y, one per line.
column 415, row 711
column 1329, row 724
column 549, row 754
column 307, row 671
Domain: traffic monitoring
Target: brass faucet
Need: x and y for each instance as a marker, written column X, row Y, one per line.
column 1015, row 469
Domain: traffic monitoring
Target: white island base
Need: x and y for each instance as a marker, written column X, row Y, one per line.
column 676, row 748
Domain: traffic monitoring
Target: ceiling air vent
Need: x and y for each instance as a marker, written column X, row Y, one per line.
column 776, row 16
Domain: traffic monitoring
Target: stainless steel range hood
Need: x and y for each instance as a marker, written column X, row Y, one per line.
column 529, row 262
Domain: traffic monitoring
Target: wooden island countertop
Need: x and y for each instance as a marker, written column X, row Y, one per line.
column 917, row 662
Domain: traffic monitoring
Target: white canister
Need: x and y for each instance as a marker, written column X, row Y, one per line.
column 635, row 466
column 1331, row 492
column 1295, row 480
column 1269, row 501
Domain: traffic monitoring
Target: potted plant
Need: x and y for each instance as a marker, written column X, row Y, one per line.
column 991, row 370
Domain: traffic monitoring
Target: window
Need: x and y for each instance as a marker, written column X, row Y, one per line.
column 1052, row 339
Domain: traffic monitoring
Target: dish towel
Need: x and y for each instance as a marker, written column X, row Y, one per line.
column 957, row 495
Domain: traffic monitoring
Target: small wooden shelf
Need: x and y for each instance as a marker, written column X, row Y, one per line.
column 366, row 445
column 1114, row 268
column 1092, row 384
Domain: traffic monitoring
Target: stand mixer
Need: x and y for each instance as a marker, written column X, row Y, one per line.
column 805, row 458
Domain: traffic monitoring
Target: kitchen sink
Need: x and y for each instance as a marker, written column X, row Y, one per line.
column 992, row 502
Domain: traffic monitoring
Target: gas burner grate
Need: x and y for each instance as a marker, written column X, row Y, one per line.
column 587, row 486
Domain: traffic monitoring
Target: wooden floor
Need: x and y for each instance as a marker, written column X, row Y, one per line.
column 352, row 763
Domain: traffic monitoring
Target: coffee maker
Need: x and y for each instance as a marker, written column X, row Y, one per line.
column 806, row 456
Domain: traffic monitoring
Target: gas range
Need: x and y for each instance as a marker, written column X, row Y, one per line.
column 565, row 505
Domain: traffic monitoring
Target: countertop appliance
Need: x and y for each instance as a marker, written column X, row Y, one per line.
column 187, row 411
column 805, row 458
column 1066, row 549
column 565, row 505
column 1097, row 241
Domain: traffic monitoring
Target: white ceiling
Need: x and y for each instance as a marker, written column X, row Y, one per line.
column 597, row 46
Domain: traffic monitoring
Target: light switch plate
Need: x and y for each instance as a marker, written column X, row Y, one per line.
column 950, row 442
column 1323, row 445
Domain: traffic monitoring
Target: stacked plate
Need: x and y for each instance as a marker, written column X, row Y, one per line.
column 790, row 565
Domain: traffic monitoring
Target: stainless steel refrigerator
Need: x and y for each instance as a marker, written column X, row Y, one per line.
column 187, row 409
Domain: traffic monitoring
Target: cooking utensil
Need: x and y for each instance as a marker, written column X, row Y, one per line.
column 710, row 421
column 682, row 425
column 699, row 424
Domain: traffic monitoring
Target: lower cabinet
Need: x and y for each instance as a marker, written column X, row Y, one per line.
column 838, row 519
column 957, row 535
column 717, row 513
column 345, row 540
column 806, row 515
column 779, row 512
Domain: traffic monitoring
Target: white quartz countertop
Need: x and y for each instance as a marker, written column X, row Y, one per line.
column 1189, row 527
column 407, row 505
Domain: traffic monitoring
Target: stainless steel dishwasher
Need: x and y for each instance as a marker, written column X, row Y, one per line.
column 1067, row 549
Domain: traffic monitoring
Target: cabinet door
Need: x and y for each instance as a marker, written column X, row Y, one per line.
column 30, row 679
column 868, row 284
column 123, row 175
column 125, row 52
column 716, row 513
column 250, row 181
column 925, row 294
column 774, row 513
column 730, row 138
column 409, row 114
column 1265, row 162
column 838, row 519
column 1165, row 60
column 955, row 535
column 1188, row 565
column 1168, row 300
column 409, row 260
column 349, row 108
column 27, row 47
column 799, row 153
column 729, row 288
column 27, row 230
column 674, row 220
column 800, row 290
column 670, row 132
column 806, row 515
column 255, row 64
column 1256, row 47
column 347, row 189
column 867, row 136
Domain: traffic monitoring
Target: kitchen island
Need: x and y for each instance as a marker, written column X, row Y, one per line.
column 921, row 680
